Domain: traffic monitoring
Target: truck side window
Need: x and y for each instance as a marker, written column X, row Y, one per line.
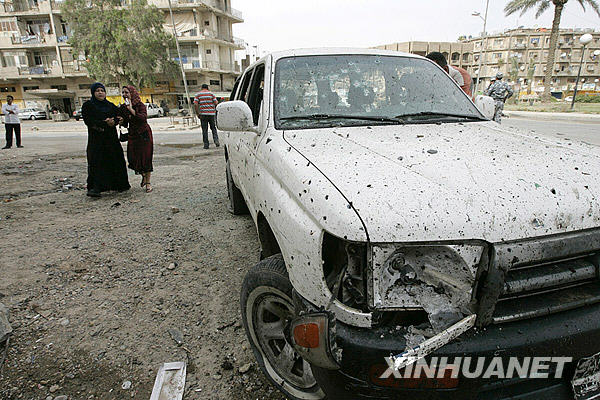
column 256, row 92
column 235, row 87
column 243, row 92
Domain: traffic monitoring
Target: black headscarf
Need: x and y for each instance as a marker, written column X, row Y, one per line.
column 104, row 106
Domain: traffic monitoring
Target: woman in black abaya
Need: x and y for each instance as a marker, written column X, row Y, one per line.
column 106, row 163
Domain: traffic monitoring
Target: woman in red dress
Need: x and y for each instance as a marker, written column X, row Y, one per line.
column 133, row 115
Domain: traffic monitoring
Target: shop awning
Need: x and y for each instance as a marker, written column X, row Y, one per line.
column 51, row 93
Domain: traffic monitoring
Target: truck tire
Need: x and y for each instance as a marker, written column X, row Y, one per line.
column 237, row 204
column 266, row 303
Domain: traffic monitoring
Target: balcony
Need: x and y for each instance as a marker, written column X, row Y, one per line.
column 73, row 68
column 39, row 70
column 34, row 40
column 195, row 63
column 520, row 46
column 19, row 6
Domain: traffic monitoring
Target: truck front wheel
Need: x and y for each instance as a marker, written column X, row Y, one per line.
column 266, row 302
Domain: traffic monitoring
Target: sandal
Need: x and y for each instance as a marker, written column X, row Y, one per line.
column 143, row 183
column 149, row 188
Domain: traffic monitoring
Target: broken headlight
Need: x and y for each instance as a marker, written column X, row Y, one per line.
column 344, row 271
column 437, row 279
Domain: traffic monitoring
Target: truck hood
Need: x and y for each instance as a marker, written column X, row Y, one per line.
column 457, row 181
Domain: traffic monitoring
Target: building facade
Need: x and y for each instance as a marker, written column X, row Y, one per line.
column 458, row 54
column 521, row 54
column 39, row 69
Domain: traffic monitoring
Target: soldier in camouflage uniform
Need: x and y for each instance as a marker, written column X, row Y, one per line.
column 499, row 91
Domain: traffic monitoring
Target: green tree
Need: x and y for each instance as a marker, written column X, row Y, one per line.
column 523, row 6
column 127, row 44
column 514, row 76
column 530, row 74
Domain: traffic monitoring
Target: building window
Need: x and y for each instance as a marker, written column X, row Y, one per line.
column 85, row 86
column 191, row 82
column 208, row 51
column 59, row 87
column 206, row 23
column 26, row 88
column 7, row 89
column 215, row 82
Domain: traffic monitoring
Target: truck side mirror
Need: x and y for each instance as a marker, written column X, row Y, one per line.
column 235, row 116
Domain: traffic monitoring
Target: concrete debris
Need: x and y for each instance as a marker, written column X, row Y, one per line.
column 176, row 335
column 126, row 385
column 245, row 368
column 172, row 266
column 54, row 388
column 5, row 328
column 170, row 382
column 174, row 210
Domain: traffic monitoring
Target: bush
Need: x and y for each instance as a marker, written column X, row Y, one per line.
column 587, row 99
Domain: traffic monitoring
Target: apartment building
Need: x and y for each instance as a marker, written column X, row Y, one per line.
column 458, row 54
column 521, row 54
column 39, row 69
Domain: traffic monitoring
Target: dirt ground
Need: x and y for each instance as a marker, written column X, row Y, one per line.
column 98, row 289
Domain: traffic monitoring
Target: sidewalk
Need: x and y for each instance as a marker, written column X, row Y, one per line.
column 549, row 116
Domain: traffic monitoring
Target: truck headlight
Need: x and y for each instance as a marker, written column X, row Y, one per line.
column 438, row 279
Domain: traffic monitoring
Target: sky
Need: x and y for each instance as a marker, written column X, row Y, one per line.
column 284, row 24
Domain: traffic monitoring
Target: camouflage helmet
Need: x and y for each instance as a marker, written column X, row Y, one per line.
column 499, row 75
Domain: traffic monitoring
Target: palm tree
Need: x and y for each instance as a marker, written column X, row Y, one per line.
column 542, row 5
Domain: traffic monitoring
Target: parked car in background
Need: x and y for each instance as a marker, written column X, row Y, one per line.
column 389, row 209
column 32, row 114
column 154, row 110
column 77, row 114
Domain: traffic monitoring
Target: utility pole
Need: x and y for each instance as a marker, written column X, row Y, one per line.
column 584, row 40
column 185, row 85
column 483, row 39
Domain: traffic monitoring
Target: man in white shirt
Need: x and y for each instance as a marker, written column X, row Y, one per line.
column 454, row 73
column 11, row 122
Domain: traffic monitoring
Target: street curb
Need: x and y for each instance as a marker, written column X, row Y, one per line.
column 547, row 116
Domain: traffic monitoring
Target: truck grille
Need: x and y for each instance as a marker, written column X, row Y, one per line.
column 537, row 289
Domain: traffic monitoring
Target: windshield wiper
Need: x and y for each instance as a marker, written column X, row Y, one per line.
column 438, row 114
column 341, row 116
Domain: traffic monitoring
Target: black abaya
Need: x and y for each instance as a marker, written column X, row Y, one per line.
column 106, row 163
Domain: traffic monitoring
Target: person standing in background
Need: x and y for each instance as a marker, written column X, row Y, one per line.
column 12, row 123
column 205, row 105
column 500, row 91
column 455, row 74
column 106, row 163
column 140, row 146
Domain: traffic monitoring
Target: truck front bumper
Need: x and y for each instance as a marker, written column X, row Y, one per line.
column 574, row 334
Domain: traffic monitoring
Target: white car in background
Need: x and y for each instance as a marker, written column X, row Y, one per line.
column 32, row 114
column 154, row 110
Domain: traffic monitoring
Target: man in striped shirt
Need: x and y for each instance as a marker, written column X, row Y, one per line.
column 205, row 105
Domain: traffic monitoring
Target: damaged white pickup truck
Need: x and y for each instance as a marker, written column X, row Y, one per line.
column 391, row 211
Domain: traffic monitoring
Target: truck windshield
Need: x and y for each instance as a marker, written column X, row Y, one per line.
column 348, row 90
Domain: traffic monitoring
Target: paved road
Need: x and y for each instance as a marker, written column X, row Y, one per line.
column 588, row 132
column 55, row 137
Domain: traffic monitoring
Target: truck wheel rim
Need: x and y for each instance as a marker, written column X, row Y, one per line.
column 270, row 313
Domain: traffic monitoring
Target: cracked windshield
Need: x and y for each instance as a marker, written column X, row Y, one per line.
column 336, row 90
